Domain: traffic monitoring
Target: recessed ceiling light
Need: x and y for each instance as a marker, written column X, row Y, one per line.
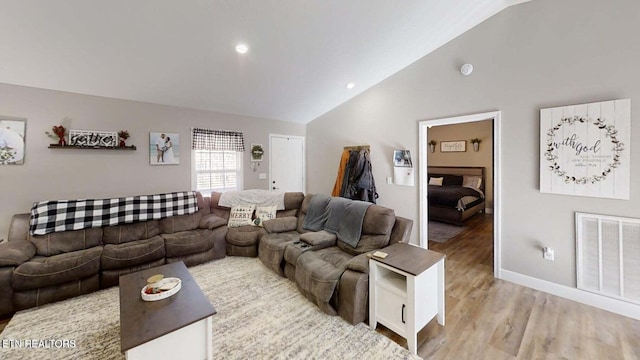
column 350, row 85
column 242, row 48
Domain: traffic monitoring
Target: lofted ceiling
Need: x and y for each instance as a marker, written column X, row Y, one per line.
column 302, row 53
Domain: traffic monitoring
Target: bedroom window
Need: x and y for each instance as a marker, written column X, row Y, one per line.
column 217, row 160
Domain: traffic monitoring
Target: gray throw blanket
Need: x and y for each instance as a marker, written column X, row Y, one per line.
column 337, row 215
column 317, row 213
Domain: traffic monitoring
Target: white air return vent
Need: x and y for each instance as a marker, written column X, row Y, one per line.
column 608, row 256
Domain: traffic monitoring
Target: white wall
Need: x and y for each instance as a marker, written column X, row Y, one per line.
column 539, row 54
column 70, row 174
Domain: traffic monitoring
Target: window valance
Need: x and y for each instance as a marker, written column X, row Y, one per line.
column 217, row 140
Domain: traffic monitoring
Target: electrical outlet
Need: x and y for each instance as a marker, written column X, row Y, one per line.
column 548, row 253
column 389, row 180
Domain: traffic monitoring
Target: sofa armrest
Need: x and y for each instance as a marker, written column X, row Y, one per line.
column 360, row 263
column 401, row 231
column 211, row 221
column 14, row 253
column 280, row 225
column 319, row 239
column 19, row 227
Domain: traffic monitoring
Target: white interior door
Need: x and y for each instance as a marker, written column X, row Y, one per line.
column 286, row 163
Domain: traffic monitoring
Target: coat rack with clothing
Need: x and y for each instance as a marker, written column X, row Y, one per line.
column 355, row 176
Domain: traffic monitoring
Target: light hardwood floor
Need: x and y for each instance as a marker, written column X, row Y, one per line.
column 493, row 319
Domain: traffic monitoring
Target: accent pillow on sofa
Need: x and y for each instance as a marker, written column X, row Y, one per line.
column 241, row 215
column 264, row 213
column 435, row 181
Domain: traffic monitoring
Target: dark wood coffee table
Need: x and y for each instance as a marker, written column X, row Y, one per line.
column 177, row 327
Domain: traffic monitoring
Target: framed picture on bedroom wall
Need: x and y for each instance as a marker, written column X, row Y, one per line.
column 453, row 146
column 585, row 149
column 164, row 148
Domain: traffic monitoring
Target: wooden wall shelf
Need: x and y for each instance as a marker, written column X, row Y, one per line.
column 57, row 146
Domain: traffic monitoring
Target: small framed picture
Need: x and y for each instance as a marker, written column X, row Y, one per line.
column 453, row 146
column 402, row 158
column 164, row 148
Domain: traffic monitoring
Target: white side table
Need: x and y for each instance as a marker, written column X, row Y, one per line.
column 406, row 290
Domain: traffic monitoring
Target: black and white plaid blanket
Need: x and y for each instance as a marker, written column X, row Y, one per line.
column 63, row 215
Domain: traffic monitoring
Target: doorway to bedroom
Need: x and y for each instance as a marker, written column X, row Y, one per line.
column 461, row 215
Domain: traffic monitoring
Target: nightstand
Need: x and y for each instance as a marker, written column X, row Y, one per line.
column 406, row 290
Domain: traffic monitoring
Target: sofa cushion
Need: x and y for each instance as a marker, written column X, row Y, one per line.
column 318, row 238
column 303, row 213
column 112, row 277
column 42, row 271
column 378, row 220
column 244, row 235
column 317, row 279
column 48, row 294
column 211, row 221
column 120, row 234
column 359, row 263
column 292, row 203
column 366, row 244
column 272, row 248
column 335, row 256
column 174, row 224
column 293, row 200
column 376, row 231
column 241, row 215
column 280, row 225
column 57, row 243
column 14, row 253
column 132, row 253
column 6, row 295
column 188, row 242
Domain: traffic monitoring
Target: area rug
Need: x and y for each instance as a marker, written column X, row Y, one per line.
column 260, row 316
column 441, row 232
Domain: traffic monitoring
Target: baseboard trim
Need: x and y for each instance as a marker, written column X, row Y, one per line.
column 601, row 302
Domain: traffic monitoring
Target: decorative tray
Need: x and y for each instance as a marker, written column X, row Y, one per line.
column 161, row 289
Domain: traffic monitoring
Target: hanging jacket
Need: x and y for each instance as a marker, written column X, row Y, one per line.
column 346, row 182
column 361, row 184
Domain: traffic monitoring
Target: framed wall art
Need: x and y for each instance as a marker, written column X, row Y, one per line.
column 93, row 138
column 453, row 146
column 12, row 140
column 164, row 148
column 402, row 158
column 585, row 149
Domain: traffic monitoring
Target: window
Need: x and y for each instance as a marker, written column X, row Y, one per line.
column 218, row 171
column 217, row 160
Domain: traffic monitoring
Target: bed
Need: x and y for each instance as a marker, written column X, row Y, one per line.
column 455, row 193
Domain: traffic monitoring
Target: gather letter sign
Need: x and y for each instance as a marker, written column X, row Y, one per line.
column 585, row 150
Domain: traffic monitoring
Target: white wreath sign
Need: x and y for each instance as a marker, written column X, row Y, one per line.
column 584, row 149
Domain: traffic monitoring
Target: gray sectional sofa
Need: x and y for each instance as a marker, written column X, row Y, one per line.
column 39, row 269
column 36, row 270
